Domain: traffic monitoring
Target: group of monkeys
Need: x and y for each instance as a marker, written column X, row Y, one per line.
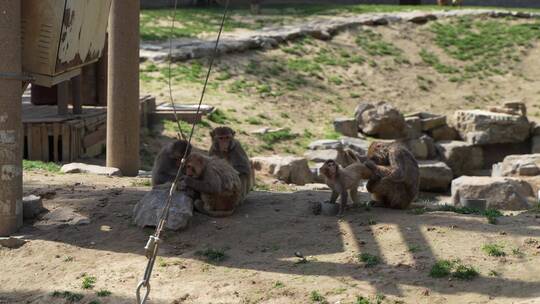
column 218, row 181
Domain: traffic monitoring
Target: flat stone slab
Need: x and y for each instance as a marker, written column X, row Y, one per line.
column 435, row 176
column 461, row 157
column 63, row 216
column 480, row 127
column 90, row 169
column 147, row 211
column 500, row 192
column 518, row 165
column 12, row 242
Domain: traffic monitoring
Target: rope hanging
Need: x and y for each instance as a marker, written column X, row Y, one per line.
column 152, row 246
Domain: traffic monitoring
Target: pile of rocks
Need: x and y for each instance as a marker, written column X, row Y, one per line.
column 498, row 144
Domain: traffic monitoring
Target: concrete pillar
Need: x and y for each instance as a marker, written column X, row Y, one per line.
column 123, row 87
column 10, row 118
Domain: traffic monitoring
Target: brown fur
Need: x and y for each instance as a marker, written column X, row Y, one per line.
column 344, row 181
column 396, row 176
column 217, row 182
column 167, row 162
column 226, row 147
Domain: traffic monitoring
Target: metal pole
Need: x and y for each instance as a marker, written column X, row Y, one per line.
column 10, row 118
column 123, row 87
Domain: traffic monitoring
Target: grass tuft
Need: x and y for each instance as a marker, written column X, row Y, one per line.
column 213, row 255
column 369, row 260
column 494, row 250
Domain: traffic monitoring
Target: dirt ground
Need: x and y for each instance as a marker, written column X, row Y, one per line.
column 260, row 242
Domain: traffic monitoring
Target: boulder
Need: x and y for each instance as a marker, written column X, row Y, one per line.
column 518, row 165
column 320, row 156
column 346, row 126
column 483, row 127
column 435, row 176
column 289, row 169
column 461, row 157
column 500, row 192
column 90, row 169
column 32, row 206
column 147, row 211
column 422, row 148
column 357, row 144
column 12, row 242
column 414, row 127
column 535, row 144
column 380, row 119
column 443, row 133
column 433, row 122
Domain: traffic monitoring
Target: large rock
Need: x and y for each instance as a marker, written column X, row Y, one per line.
column 32, row 206
column 346, row 126
column 289, row 169
column 422, row 148
column 518, row 165
column 483, row 127
column 444, row 133
column 414, row 127
column 64, row 216
column 535, row 144
column 357, row 144
column 432, row 122
column 90, row 169
column 435, row 176
column 319, row 156
column 148, row 210
column 381, row 120
column 12, row 242
column 460, row 156
column 500, row 192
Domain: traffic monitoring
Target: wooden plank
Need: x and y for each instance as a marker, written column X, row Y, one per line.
column 63, row 97
column 66, row 156
column 56, row 135
column 95, row 137
column 76, row 84
column 44, row 143
column 35, row 145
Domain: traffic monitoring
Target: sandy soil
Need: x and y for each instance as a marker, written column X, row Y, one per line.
column 260, row 242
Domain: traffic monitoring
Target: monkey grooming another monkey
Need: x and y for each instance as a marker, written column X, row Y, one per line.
column 344, row 181
column 396, row 176
column 168, row 161
column 226, row 147
column 217, row 182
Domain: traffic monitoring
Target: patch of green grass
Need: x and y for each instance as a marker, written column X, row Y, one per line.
column 362, row 300
column 103, row 293
column 455, row 268
column 490, row 214
column 442, row 268
column 192, row 71
column 94, row 302
column 373, row 43
column 32, row 165
column 330, row 133
column 415, row 248
column 279, row 284
column 486, row 47
column 464, row 272
column 218, row 117
column 254, row 121
column 369, row 260
column 213, row 255
column 304, row 65
column 71, row 297
column 240, row 86
column 494, row 250
column 316, row 297
column 272, row 138
column 434, row 61
column 335, row 80
column 142, row 183
column 88, row 282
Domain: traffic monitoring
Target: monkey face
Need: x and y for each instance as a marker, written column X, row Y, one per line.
column 378, row 153
column 223, row 137
column 329, row 168
column 195, row 165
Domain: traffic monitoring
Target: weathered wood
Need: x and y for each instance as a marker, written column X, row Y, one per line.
column 35, row 145
column 95, row 137
column 76, row 90
column 44, row 143
column 56, row 138
column 66, row 144
column 63, row 97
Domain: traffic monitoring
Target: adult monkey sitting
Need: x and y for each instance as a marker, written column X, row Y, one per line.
column 226, row 147
column 395, row 176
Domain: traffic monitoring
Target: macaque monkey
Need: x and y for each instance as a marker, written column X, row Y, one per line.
column 396, row 176
column 168, row 162
column 216, row 181
column 344, row 181
column 226, row 147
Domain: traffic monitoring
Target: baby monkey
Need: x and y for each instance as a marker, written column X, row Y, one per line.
column 344, row 181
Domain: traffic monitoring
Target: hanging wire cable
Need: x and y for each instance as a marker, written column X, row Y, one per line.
column 152, row 246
